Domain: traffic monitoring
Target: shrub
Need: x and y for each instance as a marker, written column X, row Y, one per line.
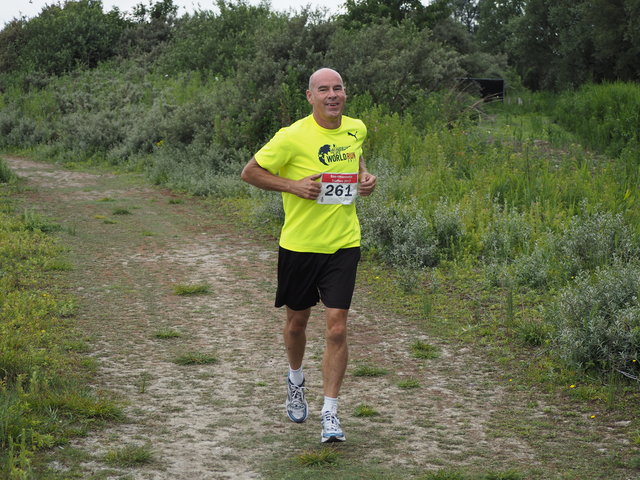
column 62, row 38
column 448, row 226
column 593, row 240
column 400, row 235
column 598, row 319
column 507, row 235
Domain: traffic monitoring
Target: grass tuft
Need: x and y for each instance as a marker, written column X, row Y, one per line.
column 369, row 371
column 364, row 410
column 166, row 333
column 196, row 289
column 326, row 456
column 129, row 456
column 196, row 358
column 409, row 383
column 121, row 211
column 423, row 350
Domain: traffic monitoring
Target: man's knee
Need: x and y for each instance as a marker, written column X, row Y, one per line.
column 297, row 321
column 336, row 326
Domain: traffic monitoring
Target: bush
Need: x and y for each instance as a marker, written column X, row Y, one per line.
column 62, row 38
column 593, row 240
column 507, row 235
column 598, row 320
column 402, row 61
column 399, row 234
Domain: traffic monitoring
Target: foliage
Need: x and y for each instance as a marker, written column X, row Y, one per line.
column 62, row 38
column 605, row 117
column 559, row 44
column 598, row 320
column 43, row 400
column 402, row 61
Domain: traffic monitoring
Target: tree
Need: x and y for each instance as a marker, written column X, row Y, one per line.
column 393, row 63
column 63, row 38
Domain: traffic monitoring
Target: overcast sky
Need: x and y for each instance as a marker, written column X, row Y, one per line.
column 10, row 9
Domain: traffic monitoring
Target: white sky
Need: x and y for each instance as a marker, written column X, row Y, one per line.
column 10, row 9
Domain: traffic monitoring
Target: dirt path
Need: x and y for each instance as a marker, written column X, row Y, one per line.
column 227, row 420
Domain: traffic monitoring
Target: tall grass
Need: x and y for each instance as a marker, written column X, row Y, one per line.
column 605, row 117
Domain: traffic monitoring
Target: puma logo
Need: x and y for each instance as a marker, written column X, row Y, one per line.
column 353, row 135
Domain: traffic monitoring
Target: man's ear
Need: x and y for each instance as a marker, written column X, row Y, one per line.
column 309, row 96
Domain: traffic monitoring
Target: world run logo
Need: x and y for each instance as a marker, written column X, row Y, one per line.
column 330, row 154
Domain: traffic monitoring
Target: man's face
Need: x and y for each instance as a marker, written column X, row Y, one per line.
column 327, row 95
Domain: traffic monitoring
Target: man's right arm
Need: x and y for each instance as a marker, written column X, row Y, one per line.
column 257, row 176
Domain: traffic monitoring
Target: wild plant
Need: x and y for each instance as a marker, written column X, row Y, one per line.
column 507, row 235
column 448, row 227
column 400, row 234
column 597, row 318
column 594, row 240
column 6, row 174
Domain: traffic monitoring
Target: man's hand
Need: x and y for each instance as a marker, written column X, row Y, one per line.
column 307, row 187
column 367, row 184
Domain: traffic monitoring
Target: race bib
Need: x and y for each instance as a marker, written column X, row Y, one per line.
column 338, row 188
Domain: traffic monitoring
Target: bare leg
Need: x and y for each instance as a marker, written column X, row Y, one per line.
column 334, row 362
column 295, row 337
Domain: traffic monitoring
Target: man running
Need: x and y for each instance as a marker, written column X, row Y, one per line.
column 318, row 166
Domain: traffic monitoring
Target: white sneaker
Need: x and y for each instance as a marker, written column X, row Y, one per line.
column 296, row 405
column 331, row 430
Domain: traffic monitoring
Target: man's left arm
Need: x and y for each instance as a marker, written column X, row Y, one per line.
column 367, row 180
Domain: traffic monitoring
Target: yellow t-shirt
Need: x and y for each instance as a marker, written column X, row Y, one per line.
column 305, row 148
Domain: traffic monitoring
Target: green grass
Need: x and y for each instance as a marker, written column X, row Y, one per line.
column 129, row 456
column 364, row 410
column 194, row 289
column 423, row 350
column 409, row 383
column 325, row 456
column 196, row 358
column 44, row 398
column 167, row 333
column 369, row 371
column 121, row 211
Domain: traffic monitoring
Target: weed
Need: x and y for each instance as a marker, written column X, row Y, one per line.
column 6, row 174
column 166, row 333
column 423, row 350
column 195, row 289
column 143, row 381
column 409, row 383
column 325, row 456
column 364, row 410
column 121, row 211
column 33, row 221
column 534, row 333
column 196, row 358
column 129, row 456
column 175, row 201
column 369, row 371
column 444, row 475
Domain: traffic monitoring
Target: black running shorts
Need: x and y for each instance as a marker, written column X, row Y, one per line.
column 305, row 278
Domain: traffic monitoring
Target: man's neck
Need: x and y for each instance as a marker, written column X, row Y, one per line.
column 329, row 124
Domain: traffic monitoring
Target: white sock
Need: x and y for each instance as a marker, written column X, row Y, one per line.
column 296, row 376
column 330, row 405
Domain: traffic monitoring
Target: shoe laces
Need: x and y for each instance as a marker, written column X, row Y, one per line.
column 330, row 422
column 296, row 395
